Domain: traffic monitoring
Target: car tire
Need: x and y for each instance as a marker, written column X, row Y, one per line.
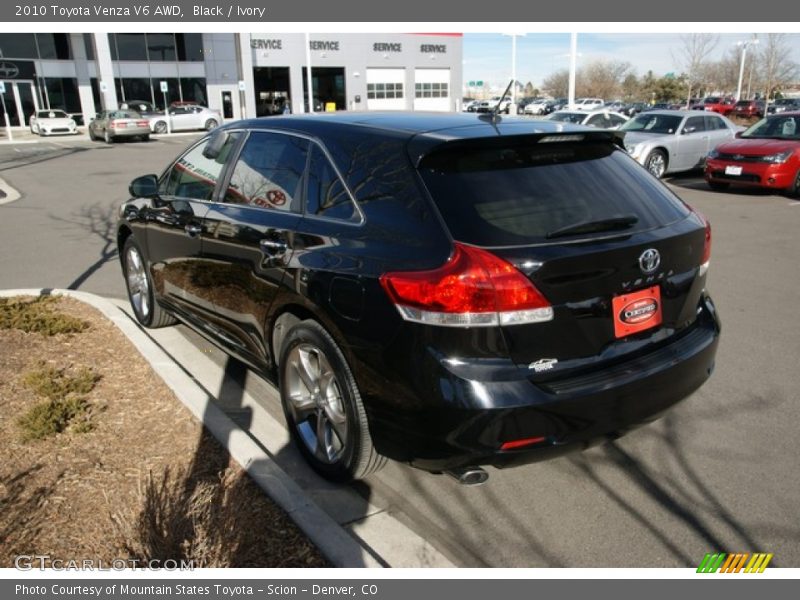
column 107, row 137
column 160, row 127
column 323, row 406
column 211, row 124
column 139, row 285
column 795, row 189
column 656, row 163
column 145, row 138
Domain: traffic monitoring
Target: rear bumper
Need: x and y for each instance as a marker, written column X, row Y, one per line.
column 570, row 413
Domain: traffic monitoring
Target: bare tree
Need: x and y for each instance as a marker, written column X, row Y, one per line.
column 693, row 55
column 775, row 63
column 557, row 84
column 602, row 79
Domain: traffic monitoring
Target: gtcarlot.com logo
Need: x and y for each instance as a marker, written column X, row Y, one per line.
column 734, row 563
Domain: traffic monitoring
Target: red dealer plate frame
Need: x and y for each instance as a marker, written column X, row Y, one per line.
column 637, row 311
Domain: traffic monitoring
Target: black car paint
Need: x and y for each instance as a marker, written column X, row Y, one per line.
column 425, row 407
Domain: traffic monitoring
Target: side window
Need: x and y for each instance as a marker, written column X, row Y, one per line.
column 596, row 121
column 714, row 123
column 269, row 171
column 195, row 176
column 695, row 125
column 326, row 195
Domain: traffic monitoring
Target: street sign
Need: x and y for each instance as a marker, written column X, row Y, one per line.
column 479, row 83
column 471, row 84
column 242, row 86
column 164, row 87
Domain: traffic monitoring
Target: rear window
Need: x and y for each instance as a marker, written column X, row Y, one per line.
column 515, row 194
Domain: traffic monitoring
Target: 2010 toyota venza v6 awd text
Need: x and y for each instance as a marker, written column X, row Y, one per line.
column 449, row 291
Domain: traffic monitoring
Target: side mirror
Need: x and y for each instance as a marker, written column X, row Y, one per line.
column 738, row 134
column 215, row 144
column 145, row 186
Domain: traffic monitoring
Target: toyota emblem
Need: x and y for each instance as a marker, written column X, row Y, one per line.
column 649, row 261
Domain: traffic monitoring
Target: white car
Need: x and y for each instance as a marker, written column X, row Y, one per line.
column 536, row 106
column 602, row 119
column 52, row 122
column 186, row 118
column 589, row 103
column 489, row 105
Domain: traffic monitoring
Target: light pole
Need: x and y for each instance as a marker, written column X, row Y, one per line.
column 573, row 63
column 514, row 37
column 744, row 45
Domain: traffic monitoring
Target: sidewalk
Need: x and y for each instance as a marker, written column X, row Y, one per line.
column 347, row 529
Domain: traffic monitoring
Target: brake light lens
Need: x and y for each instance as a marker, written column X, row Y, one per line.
column 523, row 443
column 474, row 288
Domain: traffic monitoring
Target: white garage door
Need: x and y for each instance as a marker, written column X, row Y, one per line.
column 432, row 89
column 385, row 89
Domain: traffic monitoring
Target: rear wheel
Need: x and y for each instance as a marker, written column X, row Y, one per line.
column 140, row 288
column 323, row 406
column 145, row 137
column 656, row 163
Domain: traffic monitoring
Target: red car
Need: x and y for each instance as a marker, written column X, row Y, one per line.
column 766, row 155
column 748, row 109
column 718, row 104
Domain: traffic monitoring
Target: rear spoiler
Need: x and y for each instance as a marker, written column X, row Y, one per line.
column 422, row 146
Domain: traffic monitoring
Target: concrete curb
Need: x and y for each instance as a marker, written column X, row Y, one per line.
column 333, row 541
column 7, row 193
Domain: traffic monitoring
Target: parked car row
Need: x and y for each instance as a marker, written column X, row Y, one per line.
column 111, row 125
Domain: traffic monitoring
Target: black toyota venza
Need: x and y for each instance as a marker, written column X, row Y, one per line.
column 448, row 291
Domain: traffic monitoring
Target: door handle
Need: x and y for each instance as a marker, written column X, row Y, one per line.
column 273, row 247
column 193, row 229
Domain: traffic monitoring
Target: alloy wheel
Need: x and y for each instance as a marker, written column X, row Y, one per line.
column 316, row 403
column 657, row 164
column 138, row 285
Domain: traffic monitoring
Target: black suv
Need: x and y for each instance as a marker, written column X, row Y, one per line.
column 448, row 291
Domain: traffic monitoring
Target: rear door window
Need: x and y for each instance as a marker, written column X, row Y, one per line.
column 326, row 195
column 503, row 194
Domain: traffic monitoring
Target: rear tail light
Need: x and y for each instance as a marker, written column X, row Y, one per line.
column 113, row 125
column 142, row 124
column 522, row 443
column 474, row 288
column 706, row 259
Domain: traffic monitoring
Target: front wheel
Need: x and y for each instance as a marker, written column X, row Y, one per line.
column 211, row 124
column 160, row 127
column 656, row 163
column 323, row 406
column 140, row 288
column 794, row 190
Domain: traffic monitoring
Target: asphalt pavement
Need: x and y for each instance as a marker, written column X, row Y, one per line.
column 718, row 473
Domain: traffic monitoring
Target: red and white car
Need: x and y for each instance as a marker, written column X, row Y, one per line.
column 723, row 105
column 765, row 155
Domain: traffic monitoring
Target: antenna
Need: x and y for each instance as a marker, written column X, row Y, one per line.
column 499, row 102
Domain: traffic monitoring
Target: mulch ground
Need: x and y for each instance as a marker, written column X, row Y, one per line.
column 147, row 482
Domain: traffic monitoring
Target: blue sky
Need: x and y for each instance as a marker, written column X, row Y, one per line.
column 487, row 56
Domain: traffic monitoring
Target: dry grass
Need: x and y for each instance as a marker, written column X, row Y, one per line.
column 37, row 316
column 146, row 482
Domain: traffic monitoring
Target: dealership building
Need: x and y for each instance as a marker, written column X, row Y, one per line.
column 242, row 75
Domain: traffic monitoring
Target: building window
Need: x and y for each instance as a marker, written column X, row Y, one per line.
column 18, row 45
column 190, row 46
column 98, row 101
column 134, row 88
column 54, row 46
column 161, row 47
column 383, row 91
column 431, row 90
column 62, row 92
column 128, row 46
column 193, row 89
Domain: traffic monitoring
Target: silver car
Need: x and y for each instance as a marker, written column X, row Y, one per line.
column 186, row 118
column 667, row 141
column 113, row 125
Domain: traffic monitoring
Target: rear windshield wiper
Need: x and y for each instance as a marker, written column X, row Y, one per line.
column 610, row 224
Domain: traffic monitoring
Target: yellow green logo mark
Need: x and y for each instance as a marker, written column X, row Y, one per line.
column 734, row 563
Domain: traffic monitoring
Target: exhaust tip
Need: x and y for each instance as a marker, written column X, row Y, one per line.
column 469, row 475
